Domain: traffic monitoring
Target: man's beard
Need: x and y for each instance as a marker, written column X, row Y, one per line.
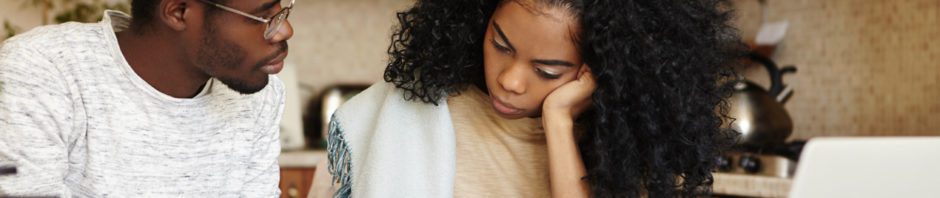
column 216, row 53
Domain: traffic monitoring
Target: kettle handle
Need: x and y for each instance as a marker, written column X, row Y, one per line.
column 776, row 73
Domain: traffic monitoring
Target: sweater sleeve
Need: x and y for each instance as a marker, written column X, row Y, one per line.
column 36, row 116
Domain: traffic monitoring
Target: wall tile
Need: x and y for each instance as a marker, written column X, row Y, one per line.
column 866, row 67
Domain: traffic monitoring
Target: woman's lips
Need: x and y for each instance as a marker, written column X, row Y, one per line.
column 504, row 108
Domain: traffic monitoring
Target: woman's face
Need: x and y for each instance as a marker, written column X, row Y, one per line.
column 528, row 52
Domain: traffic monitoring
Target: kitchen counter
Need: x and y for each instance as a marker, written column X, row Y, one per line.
column 751, row 185
column 725, row 184
column 301, row 159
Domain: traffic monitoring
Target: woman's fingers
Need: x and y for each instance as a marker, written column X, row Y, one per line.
column 572, row 97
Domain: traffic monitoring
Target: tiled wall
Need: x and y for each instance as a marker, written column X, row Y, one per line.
column 866, row 67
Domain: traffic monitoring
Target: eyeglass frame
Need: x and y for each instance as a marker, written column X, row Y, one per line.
column 267, row 35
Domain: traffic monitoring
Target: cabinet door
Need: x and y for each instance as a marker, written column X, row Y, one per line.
column 296, row 182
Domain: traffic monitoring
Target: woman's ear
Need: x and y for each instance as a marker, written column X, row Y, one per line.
column 173, row 13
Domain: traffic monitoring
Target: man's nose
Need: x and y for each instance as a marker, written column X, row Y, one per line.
column 285, row 32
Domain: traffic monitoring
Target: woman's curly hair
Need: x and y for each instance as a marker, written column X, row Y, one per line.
column 661, row 69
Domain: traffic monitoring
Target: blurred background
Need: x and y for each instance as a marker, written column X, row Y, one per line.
column 866, row 67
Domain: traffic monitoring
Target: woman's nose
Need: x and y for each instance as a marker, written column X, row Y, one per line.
column 513, row 79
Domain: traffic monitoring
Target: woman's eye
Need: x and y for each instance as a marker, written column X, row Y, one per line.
column 500, row 47
column 546, row 74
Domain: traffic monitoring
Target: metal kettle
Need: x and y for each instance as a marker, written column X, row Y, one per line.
column 758, row 114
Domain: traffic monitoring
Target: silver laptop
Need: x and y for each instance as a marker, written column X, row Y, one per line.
column 869, row 167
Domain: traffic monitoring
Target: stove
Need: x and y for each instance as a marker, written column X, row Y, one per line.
column 757, row 171
column 756, row 164
column 777, row 161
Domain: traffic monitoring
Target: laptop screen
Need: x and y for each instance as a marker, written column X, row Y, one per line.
column 869, row 167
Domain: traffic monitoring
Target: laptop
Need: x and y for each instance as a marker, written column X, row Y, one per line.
column 868, row 167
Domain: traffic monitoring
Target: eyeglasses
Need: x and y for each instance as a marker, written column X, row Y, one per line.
column 273, row 24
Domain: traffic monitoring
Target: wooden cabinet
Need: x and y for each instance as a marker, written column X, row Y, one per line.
column 296, row 182
column 297, row 171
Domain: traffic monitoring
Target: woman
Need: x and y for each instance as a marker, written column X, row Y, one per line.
column 538, row 98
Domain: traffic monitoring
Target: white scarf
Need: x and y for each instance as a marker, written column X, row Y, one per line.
column 381, row 145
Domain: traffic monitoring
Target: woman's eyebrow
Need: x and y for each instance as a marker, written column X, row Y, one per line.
column 502, row 35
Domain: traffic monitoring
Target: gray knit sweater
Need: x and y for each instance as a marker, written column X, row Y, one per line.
column 77, row 121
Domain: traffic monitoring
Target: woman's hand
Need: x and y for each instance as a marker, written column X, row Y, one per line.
column 572, row 98
column 561, row 107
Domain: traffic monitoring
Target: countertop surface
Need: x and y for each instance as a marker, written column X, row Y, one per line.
column 751, row 185
column 725, row 184
column 301, row 158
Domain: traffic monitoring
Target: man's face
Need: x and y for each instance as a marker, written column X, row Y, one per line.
column 233, row 49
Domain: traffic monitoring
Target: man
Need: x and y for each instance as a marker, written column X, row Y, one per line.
column 179, row 101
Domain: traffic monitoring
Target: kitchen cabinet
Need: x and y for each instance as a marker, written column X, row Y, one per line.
column 296, row 182
column 297, row 171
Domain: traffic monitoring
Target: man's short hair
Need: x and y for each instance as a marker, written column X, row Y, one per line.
column 143, row 11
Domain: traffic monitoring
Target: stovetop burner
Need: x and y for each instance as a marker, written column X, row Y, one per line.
column 766, row 161
column 755, row 164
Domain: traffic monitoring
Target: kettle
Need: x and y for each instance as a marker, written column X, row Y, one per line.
column 758, row 114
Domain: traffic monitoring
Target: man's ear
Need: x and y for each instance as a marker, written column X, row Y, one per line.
column 173, row 13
